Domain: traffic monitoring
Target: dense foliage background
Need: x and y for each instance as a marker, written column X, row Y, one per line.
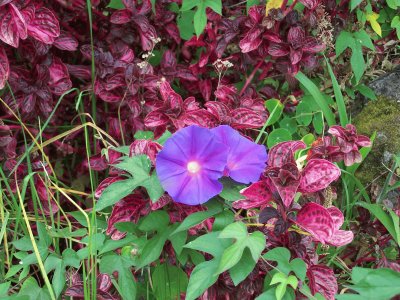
column 91, row 90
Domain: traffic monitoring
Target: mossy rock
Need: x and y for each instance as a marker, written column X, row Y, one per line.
column 383, row 117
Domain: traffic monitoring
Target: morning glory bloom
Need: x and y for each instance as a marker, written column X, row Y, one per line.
column 190, row 164
column 246, row 159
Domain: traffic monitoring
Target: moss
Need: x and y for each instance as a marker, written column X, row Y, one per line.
column 382, row 116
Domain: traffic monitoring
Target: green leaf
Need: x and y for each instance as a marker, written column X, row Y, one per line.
column 32, row 291
column 115, row 192
column 178, row 240
column 153, row 247
column 275, row 108
column 243, row 268
column 116, row 4
column 215, row 5
column 393, row 4
column 168, row 282
column 204, row 274
column 278, row 135
column 396, row 24
column 366, row 91
column 344, row 40
column 189, row 4
column 4, row 288
column 281, row 256
column 214, row 208
column 292, row 281
column 250, row 3
column 299, row 267
column 255, row 242
column 153, row 187
column 138, row 166
column 144, row 135
column 308, row 139
column 116, row 263
column 111, row 245
column 289, row 124
column 384, row 218
column 382, row 284
column 209, row 243
column 200, row 20
column 304, row 114
column 372, row 18
column 231, row 190
column 202, row 277
column 318, row 97
column 354, row 4
column 222, row 220
column 156, row 220
column 318, row 122
column 363, row 37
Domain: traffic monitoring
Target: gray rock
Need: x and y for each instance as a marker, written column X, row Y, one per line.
column 388, row 85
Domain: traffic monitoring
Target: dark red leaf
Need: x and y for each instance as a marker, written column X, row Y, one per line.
column 318, row 175
column 155, row 119
column 200, row 117
column 12, row 25
column 312, row 45
column 244, row 118
column 66, row 41
column 121, row 16
column 41, row 24
column 59, row 77
column 4, row 68
column 323, row 281
column 315, row 219
column 295, row 56
column 278, row 50
column 252, row 40
column 296, row 36
column 283, row 153
column 257, row 194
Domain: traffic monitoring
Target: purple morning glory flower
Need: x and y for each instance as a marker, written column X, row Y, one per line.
column 246, row 159
column 190, row 164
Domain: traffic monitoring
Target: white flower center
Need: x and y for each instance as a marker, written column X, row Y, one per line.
column 193, row 167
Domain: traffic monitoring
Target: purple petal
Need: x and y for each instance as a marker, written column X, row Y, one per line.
column 246, row 159
column 191, row 144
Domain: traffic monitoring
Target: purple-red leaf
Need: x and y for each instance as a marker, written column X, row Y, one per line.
column 244, row 118
column 317, row 175
column 278, row 50
column 256, row 195
column 59, row 81
column 283, row 153
column 4, row 68
column 312, row 45
column 12, row 25
column 155, row 119
column 41, row 24
column 315, row 219
column 66, row 41
column 252, row 40
column 323, row 281
column 121, row 16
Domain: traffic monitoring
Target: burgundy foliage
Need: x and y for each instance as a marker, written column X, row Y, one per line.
column 217, row 78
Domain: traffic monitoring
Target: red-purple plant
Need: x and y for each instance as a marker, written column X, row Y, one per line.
column 286, row 179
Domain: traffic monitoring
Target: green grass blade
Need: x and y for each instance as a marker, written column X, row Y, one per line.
column 318, row 97
column 344, row 120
